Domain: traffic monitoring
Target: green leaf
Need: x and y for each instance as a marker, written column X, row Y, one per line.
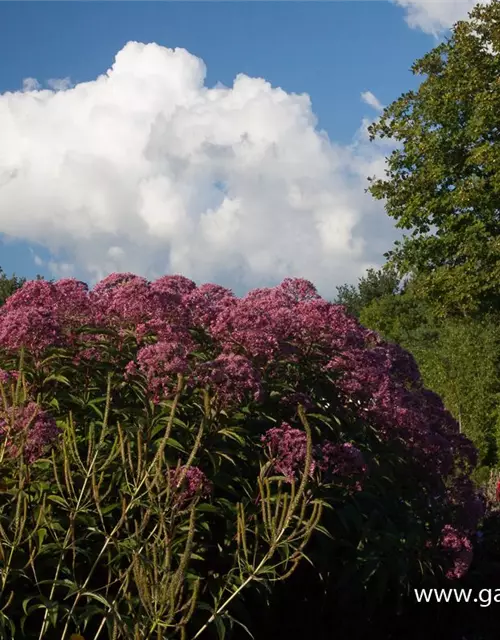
column 60, row 501
column 175, row 444
column 111, row 507
column 58, row 378
column 41, row 533
column 204, row 507
column 220, row 627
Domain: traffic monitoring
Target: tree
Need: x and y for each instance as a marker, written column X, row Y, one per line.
column 463, row 368
column 402, row 319
column 9, row 285
column 373, row 286
column 443, row 181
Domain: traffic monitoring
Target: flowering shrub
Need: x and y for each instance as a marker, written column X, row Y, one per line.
column 188, row 444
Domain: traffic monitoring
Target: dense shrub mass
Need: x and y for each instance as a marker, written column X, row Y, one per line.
column 167, row 448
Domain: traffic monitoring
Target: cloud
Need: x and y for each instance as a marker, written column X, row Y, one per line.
column 372, row 101
column 436, row 16
column 146, row 169
column 31, row 84
column 59, row 84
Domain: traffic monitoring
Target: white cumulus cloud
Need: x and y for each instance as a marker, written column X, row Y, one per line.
column 147, row 169
column 436, row 16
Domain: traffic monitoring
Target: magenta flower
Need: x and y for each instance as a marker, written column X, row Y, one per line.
column 6, row 377
column 194, row 483
column 42, row 314
column 30, row 424
column 287, row 449
column 245, row 327
column 112, row 281
column 32, row 328
column 123, row 300
column 161, row 362
column 232, row 377
column 38, row 294
column 253, row 341
column 338, row 461
column 206, row 303
column 174, row 285
column 298, row 290
column 170, row 293
column 73, row 304
column 460, row 551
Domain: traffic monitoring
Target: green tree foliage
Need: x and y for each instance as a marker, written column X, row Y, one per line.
column 462, row 366
column 373, row 286
column 9, row 285
column 443, row 181
column 400, row 318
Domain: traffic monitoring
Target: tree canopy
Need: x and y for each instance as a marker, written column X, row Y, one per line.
column 9, row 285
column 373, row 286
column 443, row 180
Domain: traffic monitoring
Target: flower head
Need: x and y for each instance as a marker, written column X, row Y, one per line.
column 188, row 483
column 459, row 549
column 31, row 426
column 340, row 461
column 232, row 377
column 287, row 448
column 161, row 362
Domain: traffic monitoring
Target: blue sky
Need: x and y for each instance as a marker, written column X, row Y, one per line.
column 60, row 174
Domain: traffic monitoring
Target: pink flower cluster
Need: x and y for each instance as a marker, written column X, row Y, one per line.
column 459, row 548
column 286, row 448
column 30, row 424
column 341, row 460
column 124, row 300
column 41, row 314
column 232, row 377
column 385, row 382
column 193, row 483
column 7, row 377
column 161, row 362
